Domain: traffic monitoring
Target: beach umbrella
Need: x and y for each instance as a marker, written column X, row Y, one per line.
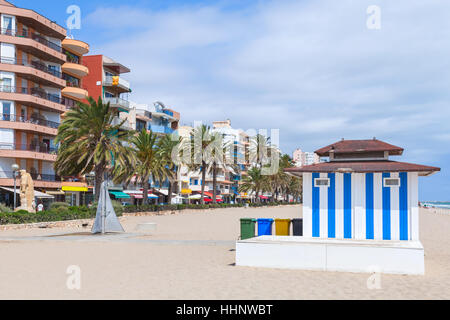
column 106, row 219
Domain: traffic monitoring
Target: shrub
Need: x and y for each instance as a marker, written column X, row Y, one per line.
column 58, row 205
column 4, row 208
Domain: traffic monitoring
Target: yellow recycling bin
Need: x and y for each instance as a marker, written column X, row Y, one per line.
column 282, row 227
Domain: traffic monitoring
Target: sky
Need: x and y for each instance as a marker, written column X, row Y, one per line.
column 310, row 68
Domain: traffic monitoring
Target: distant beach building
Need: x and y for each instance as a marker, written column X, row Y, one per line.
column 302, row 158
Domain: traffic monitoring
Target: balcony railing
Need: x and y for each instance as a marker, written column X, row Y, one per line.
column 36, row 91
column 34, row 64
column 41, row 147
column 69, row 103
column 32, row 120
column 71, row 57
column 30, row 35
column 34, row 176
column 168, row 112
column 160, row 129
column 118, row 102
column 122, row 82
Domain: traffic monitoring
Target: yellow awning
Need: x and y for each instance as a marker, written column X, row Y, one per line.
column 186, row 191
column 75, row 189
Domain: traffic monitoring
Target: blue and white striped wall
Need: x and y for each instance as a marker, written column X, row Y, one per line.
column 358, row 206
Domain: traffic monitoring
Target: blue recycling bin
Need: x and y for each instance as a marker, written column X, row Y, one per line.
column 265, row 227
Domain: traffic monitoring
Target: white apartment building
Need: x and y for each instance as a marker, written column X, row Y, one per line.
column 302, row 158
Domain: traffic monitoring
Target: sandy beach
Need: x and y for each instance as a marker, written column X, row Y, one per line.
column 191, row 256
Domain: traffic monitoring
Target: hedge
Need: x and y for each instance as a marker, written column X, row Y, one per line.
column 175, row 207
column 63, row 213
column 56, row 213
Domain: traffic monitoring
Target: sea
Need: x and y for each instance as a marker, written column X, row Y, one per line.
column 436, row 204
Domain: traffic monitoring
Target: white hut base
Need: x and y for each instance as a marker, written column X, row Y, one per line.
column 397, row 257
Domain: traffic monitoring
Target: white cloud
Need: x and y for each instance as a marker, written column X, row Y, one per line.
column 310, row 68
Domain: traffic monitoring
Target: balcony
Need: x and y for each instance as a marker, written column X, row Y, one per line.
column 40, row 180
column 35, row 176
column 77, row 46
column 32, row 120
column 118, row 83
column 32, row 96
column 38, row 147
column 160, row 129
column 118, row 103
column 33, row 43
column 77, row 70
column 73, row 91
column 36, row 71
column 29, row 124
column 39, row 151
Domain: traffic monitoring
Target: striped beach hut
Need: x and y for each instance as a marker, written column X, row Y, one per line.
column 361, row 193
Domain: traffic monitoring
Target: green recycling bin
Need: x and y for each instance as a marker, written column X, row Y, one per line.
column 247, row 228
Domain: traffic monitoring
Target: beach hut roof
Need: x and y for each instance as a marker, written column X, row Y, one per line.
column 363, row 167
column 360, row 146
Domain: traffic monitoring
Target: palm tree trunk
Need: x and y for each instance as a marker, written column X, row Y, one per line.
column 99, row 173
column 214, row 182
column 202, row 200
column 170, row 192
column 145, row 191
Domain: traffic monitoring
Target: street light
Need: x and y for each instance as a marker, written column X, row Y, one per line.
column 15, row 167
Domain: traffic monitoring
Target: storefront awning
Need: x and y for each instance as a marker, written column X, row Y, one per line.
column 56, row 193
column 37, row 194
column 120, row 195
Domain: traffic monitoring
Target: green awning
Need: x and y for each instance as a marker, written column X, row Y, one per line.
column 124, row 110
column 120, row 195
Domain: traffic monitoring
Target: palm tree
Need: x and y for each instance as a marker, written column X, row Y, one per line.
column 254, row 181
column 200, row 139
column 90, row 142
column 167, row 145
column 260, row 150
column 149, row 162
column 219, row 157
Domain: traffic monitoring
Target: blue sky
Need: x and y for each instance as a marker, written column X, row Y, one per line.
column 309, row 68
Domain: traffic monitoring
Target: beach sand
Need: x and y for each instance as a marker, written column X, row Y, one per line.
column 192, row 256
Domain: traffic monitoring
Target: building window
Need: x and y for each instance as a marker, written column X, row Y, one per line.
column 140, row 125
column 321, row 182
column 391, row 182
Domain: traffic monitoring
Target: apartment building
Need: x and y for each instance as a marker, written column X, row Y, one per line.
column 38, row 81
column 228, row 177
column 302, row 158
column 157, row 117
column 106, row 80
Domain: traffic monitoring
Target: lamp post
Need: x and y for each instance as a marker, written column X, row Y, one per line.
column 15, row 167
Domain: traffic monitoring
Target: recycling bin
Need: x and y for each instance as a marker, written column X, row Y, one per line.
column 265, row 227
column 297, row 226
column 282, row 227
column 247, row 228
